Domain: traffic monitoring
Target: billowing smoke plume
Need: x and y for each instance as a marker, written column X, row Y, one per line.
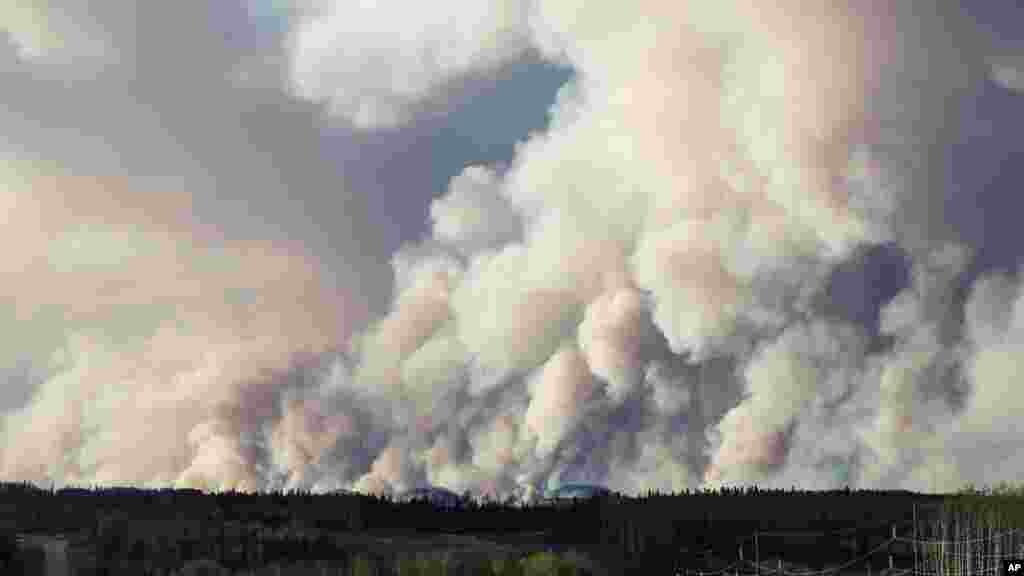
column 376, row 63
column 57, row 36
column 1009, row 75
column 177, row 343
column 634, row 299
column 702, row 196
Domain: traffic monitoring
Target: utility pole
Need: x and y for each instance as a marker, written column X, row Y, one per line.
column 735, row 571
column 890, row 547
column 914, row 543
column 757, row 553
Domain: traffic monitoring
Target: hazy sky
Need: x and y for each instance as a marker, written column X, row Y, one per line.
column 505, row 244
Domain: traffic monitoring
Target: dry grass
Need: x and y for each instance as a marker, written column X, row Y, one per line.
column 978, row 528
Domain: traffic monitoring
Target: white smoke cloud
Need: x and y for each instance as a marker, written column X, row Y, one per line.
column 977, row 441
column 473, row 216
column 614, row 330
column 806, row 369
column 986, row 435
column 392, row 472
column 558, row 394
column 724, row 179
column 660, row 465
column 163, row 324
column 303, row 436
column 44, row 35
column 508, row 325
column 989, row 309
column 917, row 379
column 670, row 395
column 420, row 309
column 374, row 64
column 1009, row 75
column 632, row 295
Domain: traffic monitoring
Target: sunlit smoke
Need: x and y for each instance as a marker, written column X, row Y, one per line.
column 633, row 299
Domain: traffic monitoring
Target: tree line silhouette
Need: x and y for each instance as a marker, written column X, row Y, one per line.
column 156, row 530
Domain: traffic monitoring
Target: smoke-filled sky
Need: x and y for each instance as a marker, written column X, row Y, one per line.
column 502, row 245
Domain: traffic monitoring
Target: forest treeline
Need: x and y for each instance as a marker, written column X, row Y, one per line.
column 154, row 528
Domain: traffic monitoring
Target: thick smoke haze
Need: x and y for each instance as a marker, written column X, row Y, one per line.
column 199, row 289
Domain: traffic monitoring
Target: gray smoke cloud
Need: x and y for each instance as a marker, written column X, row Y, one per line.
column 632, row 299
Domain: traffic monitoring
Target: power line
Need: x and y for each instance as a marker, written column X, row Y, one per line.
column 826, row 532
column 915, row 570
column 826, row 571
